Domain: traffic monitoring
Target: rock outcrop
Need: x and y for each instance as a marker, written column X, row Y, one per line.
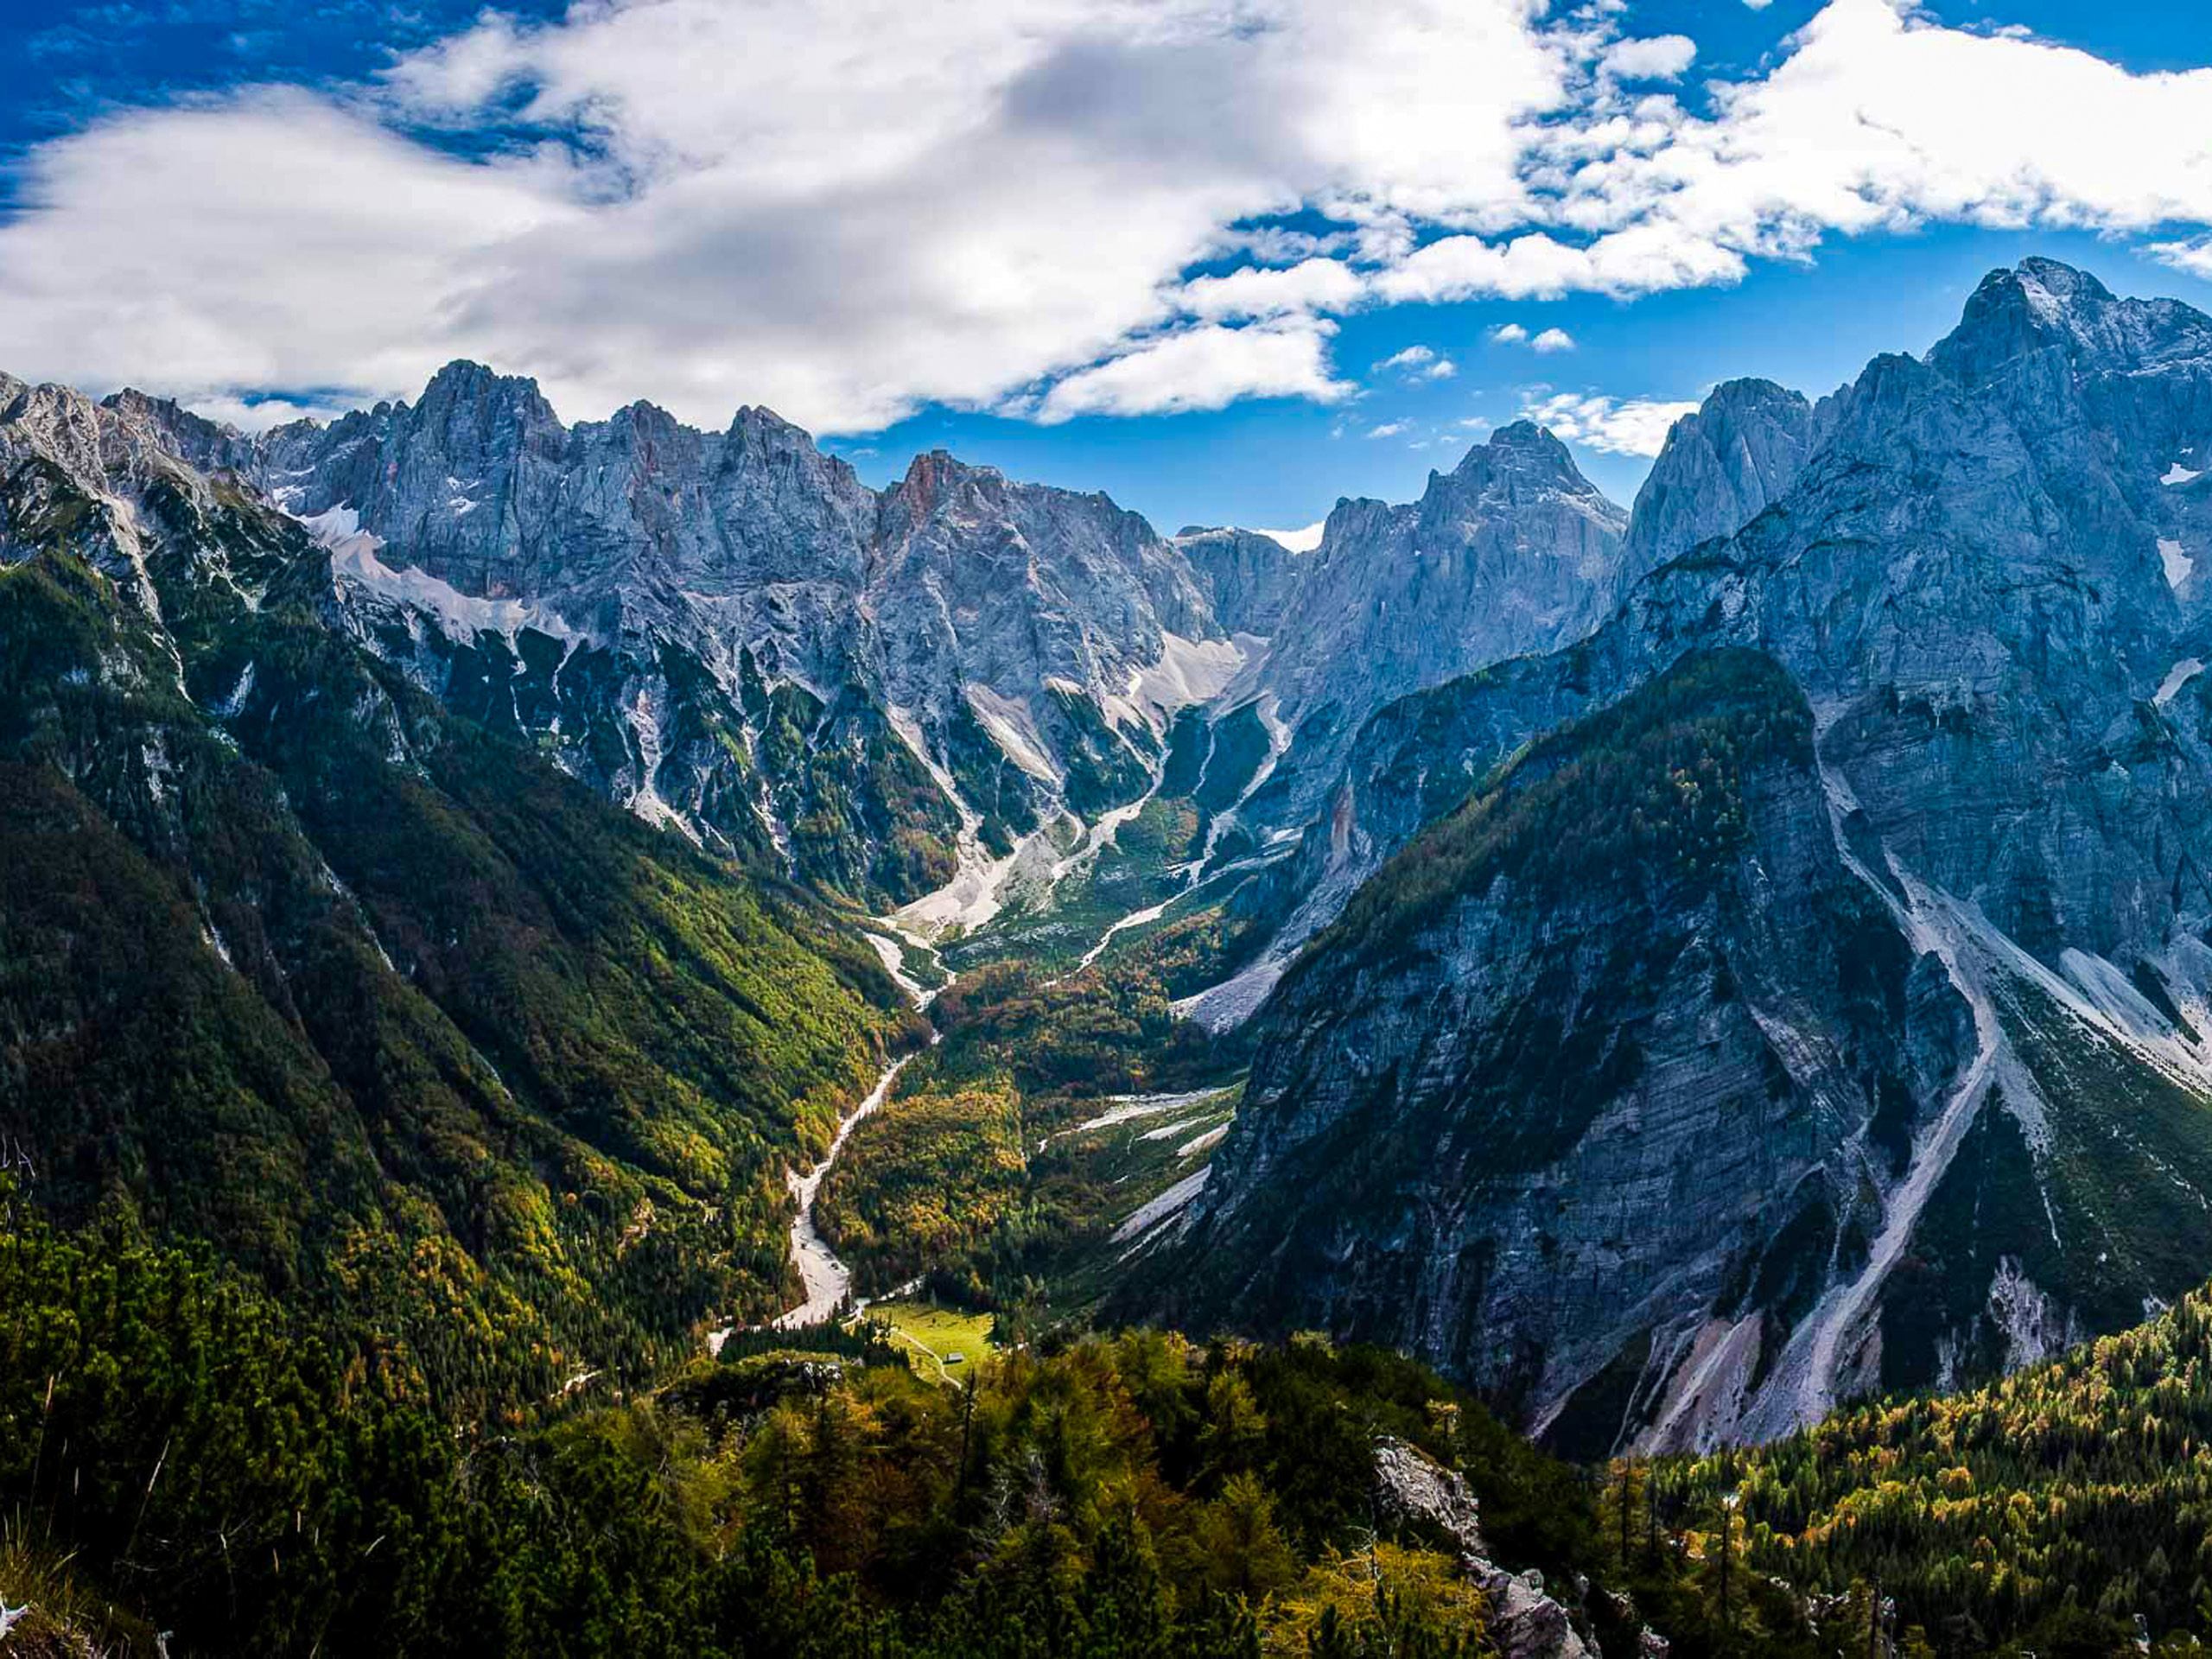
column 1719, row 468
column 1251, row 579
column 1512, row 551
column 1412, row 1488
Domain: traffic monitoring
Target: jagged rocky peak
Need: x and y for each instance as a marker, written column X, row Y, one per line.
column 1935, row 962
column 1720, row 467
column 730, row 631
column 1512, row 551
column 1522, row 466
column 2117, row 394
column 1521, row 451
column 2041, row 304
column 468, row 401
column 1020, row 584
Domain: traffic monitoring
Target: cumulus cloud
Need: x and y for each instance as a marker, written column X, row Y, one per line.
column 1261, row 292
column 1634, row 426
column 1387, row 429
column 1551, row 339
column 1419, row 363
column 1661, row 57
column 2195, row 258
column 850, row 210
column 1200, row 368
column 843, row 210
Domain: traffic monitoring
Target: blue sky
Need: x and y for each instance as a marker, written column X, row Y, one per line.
column 1002, row 227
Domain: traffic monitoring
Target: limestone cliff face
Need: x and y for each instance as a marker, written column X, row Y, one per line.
column 1674, row 1162
column 1252, row 579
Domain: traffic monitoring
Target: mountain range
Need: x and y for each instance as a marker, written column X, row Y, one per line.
column 1701, row 962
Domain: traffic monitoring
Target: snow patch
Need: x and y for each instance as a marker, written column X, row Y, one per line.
column 2177, row 563
column 894, row 955
column 1173, row 1202
column 2177, row 677
column 230, row 706
column 975, row 894
column 1189, row 671
column 2176, row 475
column 353, row 560
column 1201, row 1143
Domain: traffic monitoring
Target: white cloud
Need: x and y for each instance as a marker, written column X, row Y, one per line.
column 847, row 210
column 1413, row 357
column 2195, row 258
column 1388, row 429
column 1879, row 119
column 1204, row 367
column 1552, row 339
column 1419, row 363
column 262, row 413
column 843, row 210
column 1661, row 57
column 1300, row 541
column 1261, row 292
column 1634, row 426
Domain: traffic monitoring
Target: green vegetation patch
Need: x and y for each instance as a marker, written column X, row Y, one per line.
column 947, row 1344
column 1648, row 789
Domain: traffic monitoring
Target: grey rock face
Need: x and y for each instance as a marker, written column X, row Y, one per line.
column 1513, row 551
column 1251, row 579
column 732, row 633
column 2007, row 787
column 1719, row 468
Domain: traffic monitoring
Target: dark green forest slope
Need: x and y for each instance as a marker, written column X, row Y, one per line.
column 439, row 1045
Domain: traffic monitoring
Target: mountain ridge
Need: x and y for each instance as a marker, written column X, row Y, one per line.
column 2015, row 785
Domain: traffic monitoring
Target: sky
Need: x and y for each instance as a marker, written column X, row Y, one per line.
column 1227, row 260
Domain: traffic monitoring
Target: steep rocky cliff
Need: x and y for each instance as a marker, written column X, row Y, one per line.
column 382, row 1008
column 1910, row 1081
column 1251, row 578
column 1719, row 469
